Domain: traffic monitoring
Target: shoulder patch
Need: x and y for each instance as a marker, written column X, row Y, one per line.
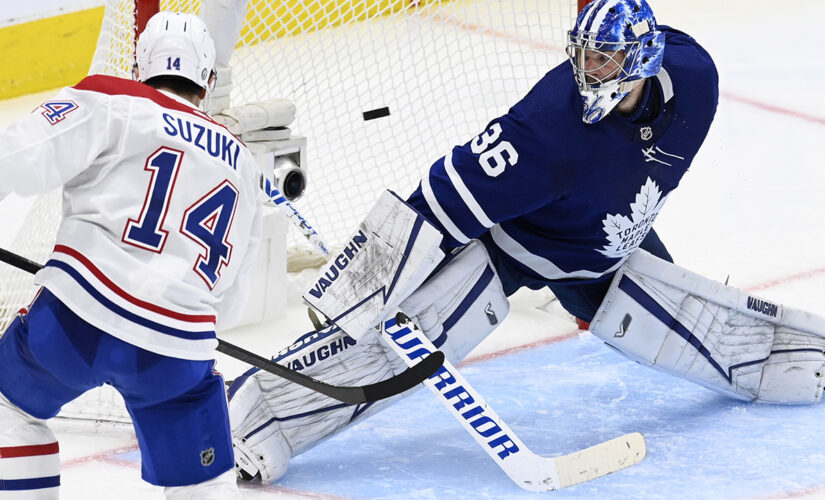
column 56, row 111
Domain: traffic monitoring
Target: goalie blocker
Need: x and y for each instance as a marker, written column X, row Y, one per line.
column 664, row 316
column 456, row 308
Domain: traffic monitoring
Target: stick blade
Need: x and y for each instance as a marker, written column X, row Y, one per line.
column 601, row 459
column 405, row 380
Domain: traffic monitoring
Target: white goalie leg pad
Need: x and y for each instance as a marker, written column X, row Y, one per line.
column 665, row 316
column 274, row 419
column 223, row 487
column 29, row 456
column 463, row 302
column 391, row 253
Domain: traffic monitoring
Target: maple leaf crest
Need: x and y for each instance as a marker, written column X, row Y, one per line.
column 624, row 234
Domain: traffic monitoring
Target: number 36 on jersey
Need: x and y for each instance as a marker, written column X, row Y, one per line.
column 493, row 155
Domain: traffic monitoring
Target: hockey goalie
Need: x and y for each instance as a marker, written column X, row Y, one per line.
column 654, row 312
column 562, row 191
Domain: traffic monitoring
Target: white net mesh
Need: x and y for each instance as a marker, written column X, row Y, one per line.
column 443, row 69
column 114, row 54
column 34, row 241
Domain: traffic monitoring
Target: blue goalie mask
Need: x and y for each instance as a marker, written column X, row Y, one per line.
column 613, row 45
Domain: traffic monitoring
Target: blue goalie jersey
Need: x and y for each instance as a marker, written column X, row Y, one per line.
column 555, row 199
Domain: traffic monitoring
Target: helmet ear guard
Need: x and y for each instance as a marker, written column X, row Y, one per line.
column 206, row 97
column 211, row 81
column 607, row 28
column 650, row 54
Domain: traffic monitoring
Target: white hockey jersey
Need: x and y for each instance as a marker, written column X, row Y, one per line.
column 161, row 211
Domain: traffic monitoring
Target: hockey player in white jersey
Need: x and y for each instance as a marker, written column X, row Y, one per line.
column 554, row 195
column 161, row 221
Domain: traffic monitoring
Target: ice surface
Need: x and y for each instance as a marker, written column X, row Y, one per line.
column 750, row 208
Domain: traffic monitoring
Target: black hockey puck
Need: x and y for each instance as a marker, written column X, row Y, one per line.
column 376, row 113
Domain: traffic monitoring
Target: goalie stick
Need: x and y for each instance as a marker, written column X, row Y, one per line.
column 530, row 471
column 350, row 395
column 295, row 217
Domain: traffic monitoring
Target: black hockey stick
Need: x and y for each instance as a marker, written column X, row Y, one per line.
column 350, row 395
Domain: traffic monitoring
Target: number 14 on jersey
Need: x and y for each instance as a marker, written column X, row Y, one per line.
column 207, row 221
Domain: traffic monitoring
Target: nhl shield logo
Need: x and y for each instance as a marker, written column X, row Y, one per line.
column 646, row 133
column 207, row 457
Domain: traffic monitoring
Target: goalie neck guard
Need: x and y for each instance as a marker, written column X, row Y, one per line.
column 613, row 44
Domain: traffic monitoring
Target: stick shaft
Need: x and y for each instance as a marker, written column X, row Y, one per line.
column 352, row 395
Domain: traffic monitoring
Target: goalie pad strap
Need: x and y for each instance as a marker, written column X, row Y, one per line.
column 662, row 315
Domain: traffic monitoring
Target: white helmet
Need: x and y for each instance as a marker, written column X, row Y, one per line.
column 176, row 44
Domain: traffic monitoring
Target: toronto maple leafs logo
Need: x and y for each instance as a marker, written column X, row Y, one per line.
column 625, row 234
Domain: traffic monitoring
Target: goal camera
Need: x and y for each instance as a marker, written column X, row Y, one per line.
column 290, row 178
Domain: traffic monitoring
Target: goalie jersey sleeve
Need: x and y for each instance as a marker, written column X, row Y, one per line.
column 161, row 211
column 554, row 198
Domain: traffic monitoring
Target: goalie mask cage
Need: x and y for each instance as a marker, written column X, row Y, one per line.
column 433, row 71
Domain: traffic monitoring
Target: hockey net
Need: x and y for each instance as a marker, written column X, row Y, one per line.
column 434, row 71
